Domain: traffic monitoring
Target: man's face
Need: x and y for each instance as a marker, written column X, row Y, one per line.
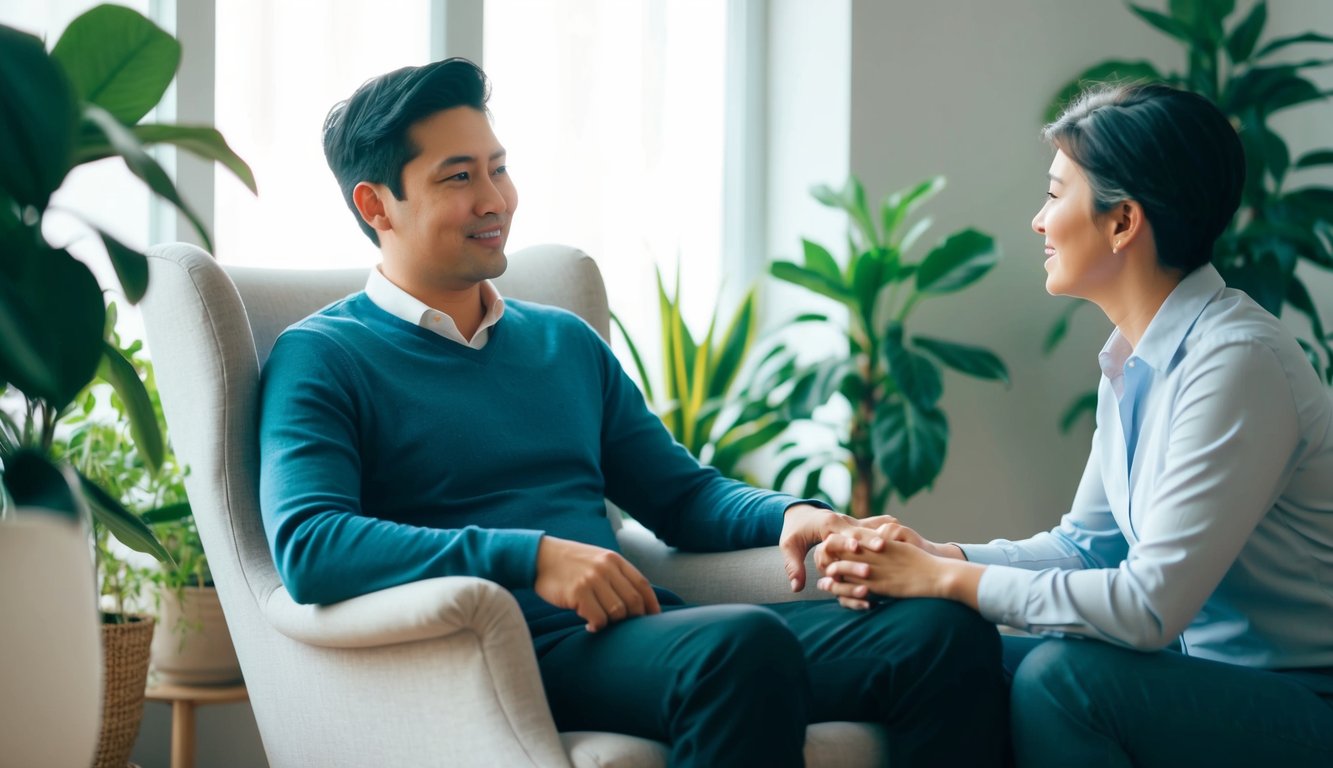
column 449, row 231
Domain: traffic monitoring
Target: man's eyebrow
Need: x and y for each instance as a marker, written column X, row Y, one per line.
column 466, row 159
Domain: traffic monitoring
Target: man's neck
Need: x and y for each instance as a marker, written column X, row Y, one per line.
column 463, row 305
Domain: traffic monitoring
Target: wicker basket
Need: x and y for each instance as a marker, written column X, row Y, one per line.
column 125, row 671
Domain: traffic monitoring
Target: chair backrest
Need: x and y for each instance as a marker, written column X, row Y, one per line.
column 209, row 330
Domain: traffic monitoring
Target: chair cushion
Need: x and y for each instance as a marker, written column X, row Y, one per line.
column 827, row 745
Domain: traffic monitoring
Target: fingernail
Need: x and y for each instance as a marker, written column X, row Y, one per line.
column 794, row 586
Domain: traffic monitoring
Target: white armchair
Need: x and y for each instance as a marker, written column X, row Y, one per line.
column 437, row 672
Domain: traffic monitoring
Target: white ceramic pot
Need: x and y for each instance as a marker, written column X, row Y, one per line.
column 191, row 644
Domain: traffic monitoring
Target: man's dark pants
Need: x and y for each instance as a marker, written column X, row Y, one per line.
column 736, row 685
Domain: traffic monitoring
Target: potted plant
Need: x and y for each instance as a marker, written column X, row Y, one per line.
column 702, row 396
column 897, row 434
column 1276, row 227
column 190, row 641
column 81, row 102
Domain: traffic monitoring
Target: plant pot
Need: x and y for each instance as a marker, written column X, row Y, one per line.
column 191, row 645
column 125, row 671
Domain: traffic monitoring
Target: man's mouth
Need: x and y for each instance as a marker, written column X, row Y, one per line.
column 489, row 234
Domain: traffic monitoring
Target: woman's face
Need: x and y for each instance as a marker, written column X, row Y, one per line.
column 1078, row 252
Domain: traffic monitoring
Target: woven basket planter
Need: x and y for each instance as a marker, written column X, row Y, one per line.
column 125, row 669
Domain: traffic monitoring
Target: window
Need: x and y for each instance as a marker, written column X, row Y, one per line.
column 272, row 97
column 613, row 115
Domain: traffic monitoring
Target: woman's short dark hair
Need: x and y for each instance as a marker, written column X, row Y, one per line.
column 365, row 137
column 1172, row 151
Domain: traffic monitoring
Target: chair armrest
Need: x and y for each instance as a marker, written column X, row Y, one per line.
column 418, row 610
column 743, row 576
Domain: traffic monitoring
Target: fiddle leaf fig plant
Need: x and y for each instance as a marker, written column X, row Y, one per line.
column 1278, row 226
column 897, row 435
column 79, row 103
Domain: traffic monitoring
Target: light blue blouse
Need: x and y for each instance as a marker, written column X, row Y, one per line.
column 1218, row 526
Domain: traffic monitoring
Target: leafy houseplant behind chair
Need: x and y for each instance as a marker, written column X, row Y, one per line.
column 79, row 103
column 898, row 434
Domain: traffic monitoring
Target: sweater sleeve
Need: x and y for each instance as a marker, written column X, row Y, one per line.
column 324, row 547
column 655, row 479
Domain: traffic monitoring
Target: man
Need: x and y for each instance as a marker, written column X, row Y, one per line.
column 426, row 427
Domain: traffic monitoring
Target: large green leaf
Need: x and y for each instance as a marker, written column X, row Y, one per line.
column 738, row 443
column 121, row 522
column 130, row 265
column 1204, row 17
column 898, row 206
column 1266, row 90
column 644, row 381
column 1315, row 157
column 1283, row 42
column 33, row 481
column 806, row 278
column 733, row 347
column 909, row 445
column 38, row 120
column 817, row 385
column 1241, row 42
column 1115, row 71
column 916, row 377
column 973, row 361
column 1061, row 326
column 820, row 261
column 119, row 372
column 141, row 164
column 1085, row 404
column 118, row 60
column 1173, row 27
column 199, row 140
column 51, row 318
column 959, row 261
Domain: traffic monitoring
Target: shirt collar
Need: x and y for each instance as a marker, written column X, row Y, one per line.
column 408, row 308
column 1169, row 327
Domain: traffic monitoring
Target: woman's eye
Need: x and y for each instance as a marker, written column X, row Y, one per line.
column 1050, row 195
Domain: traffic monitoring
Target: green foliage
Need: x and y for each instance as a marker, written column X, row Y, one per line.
column 1276, row 228
column 701, row 397
column 80, row 103
column 898, row 434
column 101, row 445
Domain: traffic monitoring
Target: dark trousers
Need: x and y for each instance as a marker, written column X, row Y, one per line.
column 736, row 685
column 1087, row 703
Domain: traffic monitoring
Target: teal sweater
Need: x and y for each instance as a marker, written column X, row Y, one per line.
column 390, row 454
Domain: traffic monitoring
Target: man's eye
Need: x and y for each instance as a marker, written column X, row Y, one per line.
column 501, row 170
column 464, row 176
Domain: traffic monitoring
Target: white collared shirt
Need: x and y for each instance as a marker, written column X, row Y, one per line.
column 409, row 308
column 1218, row 525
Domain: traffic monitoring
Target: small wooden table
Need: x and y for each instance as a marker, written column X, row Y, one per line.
column 183, row 700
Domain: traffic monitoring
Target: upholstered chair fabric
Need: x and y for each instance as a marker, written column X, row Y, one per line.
column 434, row 673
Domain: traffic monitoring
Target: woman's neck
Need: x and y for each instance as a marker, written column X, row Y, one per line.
column 1137, row 297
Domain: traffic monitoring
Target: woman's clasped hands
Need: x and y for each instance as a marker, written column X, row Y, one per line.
column 888, row 560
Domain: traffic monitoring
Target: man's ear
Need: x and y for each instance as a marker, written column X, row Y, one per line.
column 369, row 202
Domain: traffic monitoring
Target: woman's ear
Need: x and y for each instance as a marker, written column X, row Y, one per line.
column 370, row 204
column 1125, row 224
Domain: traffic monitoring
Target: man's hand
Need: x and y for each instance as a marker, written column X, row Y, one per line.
column 804, row 526
column 597, row 584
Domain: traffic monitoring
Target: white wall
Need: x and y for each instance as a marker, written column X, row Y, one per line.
column 958, row 87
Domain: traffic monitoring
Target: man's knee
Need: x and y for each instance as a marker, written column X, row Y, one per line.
column 942, row 630
column 749, row 640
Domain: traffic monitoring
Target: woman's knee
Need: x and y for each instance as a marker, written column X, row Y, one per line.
column 1063, row 673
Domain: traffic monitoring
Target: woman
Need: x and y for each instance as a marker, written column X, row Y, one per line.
column 1183, row 608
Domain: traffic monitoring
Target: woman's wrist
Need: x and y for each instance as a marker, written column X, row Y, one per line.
column 960, row 581
column 949, row 550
